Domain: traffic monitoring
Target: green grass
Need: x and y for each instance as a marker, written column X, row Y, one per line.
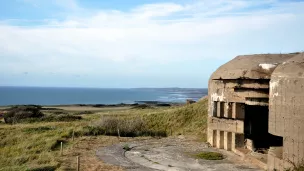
column 209, row 156
column 126, row 147
column 189, row 119
column 35, row 146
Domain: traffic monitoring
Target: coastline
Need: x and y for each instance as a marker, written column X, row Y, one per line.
column 87, row 96
column 100, row 106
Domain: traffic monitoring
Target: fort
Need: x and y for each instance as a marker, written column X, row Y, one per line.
column 256, row 109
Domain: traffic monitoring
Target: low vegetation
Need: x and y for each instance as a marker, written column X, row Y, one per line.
column 126, row 147
column 33, row 143
column 53, row 118
column 210, row 156
column 297, row 167
column 19, row 113
column 300, row 168
column 188, row 119
column 142, row 106
column 124, row 126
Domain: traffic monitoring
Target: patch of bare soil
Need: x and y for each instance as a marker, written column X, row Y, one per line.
column 85, row 148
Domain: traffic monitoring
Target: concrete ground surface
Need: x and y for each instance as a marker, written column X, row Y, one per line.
column 169, row 154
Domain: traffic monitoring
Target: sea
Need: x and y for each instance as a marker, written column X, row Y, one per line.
column 69, row 96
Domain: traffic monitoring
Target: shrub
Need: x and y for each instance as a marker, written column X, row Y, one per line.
column 128, row 127
column 92, row 130
column 18, row 113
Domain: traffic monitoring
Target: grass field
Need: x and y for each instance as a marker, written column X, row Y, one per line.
column 36, row 146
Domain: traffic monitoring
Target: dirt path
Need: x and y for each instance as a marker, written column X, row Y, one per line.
column 169, row 154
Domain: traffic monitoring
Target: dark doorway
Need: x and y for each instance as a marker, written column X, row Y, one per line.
column 256, row 127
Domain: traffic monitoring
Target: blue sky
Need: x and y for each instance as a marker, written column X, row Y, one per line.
column 139, row 43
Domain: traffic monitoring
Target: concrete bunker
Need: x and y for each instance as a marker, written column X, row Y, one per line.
column 246, row 103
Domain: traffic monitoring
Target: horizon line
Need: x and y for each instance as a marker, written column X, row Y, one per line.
column 104, row 87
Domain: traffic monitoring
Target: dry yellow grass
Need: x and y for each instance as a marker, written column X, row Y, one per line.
column 85, row 148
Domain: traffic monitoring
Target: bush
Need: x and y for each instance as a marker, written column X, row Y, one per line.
column 19, row 113
column 128, row 127
column 92, row 131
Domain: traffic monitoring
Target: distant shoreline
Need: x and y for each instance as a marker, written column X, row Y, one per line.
column 136, row 103
column 102, row 97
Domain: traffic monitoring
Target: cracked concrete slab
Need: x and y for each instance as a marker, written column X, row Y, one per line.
column 169, row 154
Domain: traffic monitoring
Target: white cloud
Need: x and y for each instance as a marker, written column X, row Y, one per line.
column 157, row 10
column 151, row 33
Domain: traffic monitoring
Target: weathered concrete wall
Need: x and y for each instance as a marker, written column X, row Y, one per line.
column 258, row 80
column 259, row 66
column 243, row 80
column 286, row 108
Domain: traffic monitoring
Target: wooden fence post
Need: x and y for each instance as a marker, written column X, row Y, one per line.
column 78, row 163
column 61, row 148
column 118, row 133
column 73, row 134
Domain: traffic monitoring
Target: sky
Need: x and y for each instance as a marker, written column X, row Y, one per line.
column 138, row 43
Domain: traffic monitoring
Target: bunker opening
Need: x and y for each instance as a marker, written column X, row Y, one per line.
column 256, row 131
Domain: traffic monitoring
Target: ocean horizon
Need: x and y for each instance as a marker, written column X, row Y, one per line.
column 21, row 95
